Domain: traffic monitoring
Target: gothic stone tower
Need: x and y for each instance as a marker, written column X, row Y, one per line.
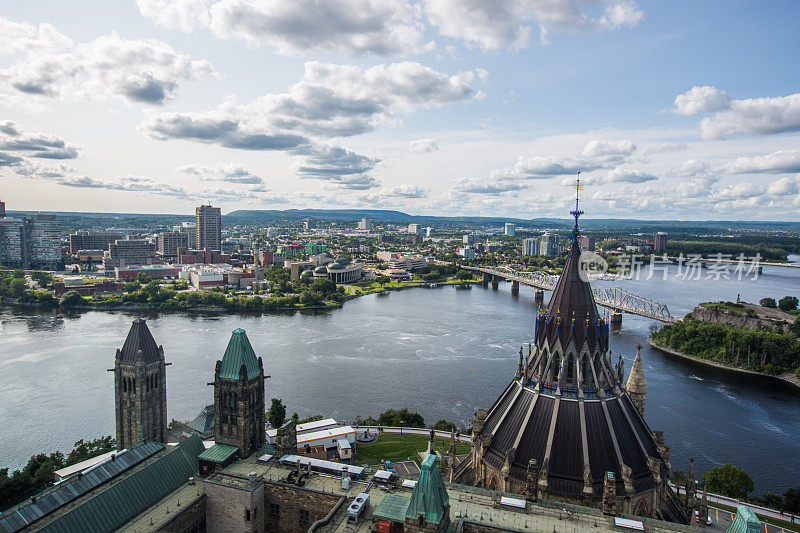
column 239, row 397
column 140, row 388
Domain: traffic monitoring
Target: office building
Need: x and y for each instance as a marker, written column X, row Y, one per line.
column 308, row 224
column 92, row 240
column 587, row 243
column 2, row 209
column 428, row 231
column 530, row 247
column 660, row 244
column 204, row 256
column 469, row 238
column 12, row 243
column 190, row 229
column 414, row 228
column 467, row 252
column 42, row 239
column 208, row 221
column 365, row 224
column 548, row 244
column 510, row 229
column 130, row 252
column 169, row 242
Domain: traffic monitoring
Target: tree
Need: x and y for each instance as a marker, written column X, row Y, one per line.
column 18, row 274
column 71, row 299
column 17, row 287
column 444, row 425
column 401, row 417
column 463, row 274
column 311, row 298
column 791, row 500
column 323, row 286
column 382, row 280
column 142, row 278
column 276, row 415
column 788, row 303
column 728, row 480
column 768, row 302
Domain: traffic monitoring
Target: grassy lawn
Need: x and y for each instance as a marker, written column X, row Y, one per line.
column 396, row 447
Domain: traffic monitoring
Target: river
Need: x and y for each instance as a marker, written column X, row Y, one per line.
column 442, row 352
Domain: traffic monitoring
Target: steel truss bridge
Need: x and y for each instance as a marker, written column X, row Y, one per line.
column 615, row 299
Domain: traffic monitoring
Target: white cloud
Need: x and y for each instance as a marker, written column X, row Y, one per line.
column 405, row 191
column 227, row 172
column 608, row 150
column 784, row 187
column 330, row 101
column 37, row 145
column 508, row 23
column 354, row 26
column 338, row 166
column 487, row 186
column 701, row 100
column 143, row 71
column 423, row 145
column 732, row 118
column 774, row 163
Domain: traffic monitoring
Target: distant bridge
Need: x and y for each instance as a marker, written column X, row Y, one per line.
column 615, row 299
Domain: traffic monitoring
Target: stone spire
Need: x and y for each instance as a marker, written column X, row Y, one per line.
column 637, row 384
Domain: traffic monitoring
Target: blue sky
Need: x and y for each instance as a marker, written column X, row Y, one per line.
column 671, row 110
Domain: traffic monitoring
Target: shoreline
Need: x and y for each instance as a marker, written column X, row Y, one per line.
column 224, row 310
column 787, row 378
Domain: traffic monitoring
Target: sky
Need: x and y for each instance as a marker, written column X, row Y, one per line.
column 670, row 110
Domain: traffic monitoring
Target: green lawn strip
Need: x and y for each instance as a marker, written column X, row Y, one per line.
column 396, row 447
column 774, row 521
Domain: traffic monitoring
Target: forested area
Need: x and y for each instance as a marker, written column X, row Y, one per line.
column 767, row 351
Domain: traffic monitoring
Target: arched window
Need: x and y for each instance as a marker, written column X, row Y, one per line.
column 570, row 370
column 555, row 367
column 124, row 384
column 134, row 385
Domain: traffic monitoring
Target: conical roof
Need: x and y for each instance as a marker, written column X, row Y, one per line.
column 636, row 380
column 572, row 312
column 238, row 353
column 139, row 338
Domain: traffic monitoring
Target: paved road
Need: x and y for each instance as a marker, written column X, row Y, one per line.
column 721, row 519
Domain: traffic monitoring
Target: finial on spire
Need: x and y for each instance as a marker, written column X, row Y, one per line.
column 577, row 212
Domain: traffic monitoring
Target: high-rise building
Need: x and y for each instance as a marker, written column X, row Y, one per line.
column 140, row 389
column 509, row 229
column 12, row 242
column 413, row 228
column 467, row 252
column 469, row 238
column 209, row 227
column 530, row 247
column 190, row 229
column 548, row 245
column 308, row 224
column 42, row 241
column 428, row 231
column 587, row 243
column 92, row 240
column 239, row 397
column 2, row 209
column 170, row 241
column 365, row 224
column 660, row 244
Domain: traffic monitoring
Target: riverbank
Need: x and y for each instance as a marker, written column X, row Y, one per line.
column 787, row 377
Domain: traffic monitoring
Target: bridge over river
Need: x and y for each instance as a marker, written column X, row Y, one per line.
column 617, row 300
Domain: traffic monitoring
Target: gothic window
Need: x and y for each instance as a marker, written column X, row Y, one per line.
column 570, row 371
column 555, row 367
column 305, row 516
column 124, row 385
column 134, row 385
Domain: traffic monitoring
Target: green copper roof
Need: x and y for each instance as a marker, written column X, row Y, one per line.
column 238, row 353
column 744, row 521
column 393, row 507
column 118, row 504
column 218, row 453
column 429, row 498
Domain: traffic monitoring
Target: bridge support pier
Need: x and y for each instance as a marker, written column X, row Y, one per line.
column 514, row 287
column 616, row 320
column 495, row 282
column 485, row 280
column 538, row 299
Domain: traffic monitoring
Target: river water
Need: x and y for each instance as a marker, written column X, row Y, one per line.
column 442, row 352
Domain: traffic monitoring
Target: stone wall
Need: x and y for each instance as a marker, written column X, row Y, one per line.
column 758, row 317
column 191, row 519
column 290, row 502
column 234, row 507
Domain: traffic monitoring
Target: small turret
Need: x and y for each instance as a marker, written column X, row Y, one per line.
column 637, row 384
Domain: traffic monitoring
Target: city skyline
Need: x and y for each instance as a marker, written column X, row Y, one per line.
column 677, row 111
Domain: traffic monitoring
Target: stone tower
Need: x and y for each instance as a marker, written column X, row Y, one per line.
column 239, row 397
column 140, row 388
column 637, row 384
